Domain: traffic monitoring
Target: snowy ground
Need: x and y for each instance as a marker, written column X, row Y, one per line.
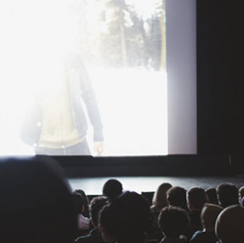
column 133, row 106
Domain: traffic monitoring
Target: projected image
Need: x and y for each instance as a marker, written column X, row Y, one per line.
column 83, row 78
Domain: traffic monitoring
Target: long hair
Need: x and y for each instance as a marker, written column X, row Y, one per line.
column 159, row 198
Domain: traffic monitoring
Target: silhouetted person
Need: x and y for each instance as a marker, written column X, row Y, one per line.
column 36, row 203
column 86, row 202
column 212, row 195
column 209, row 215
column 126, row 219
column 173, row 222
column 84, row 224
column 94, row 236
column 176, row 196
column 196, row 198
column 112, row 188
column 227, row 194
column 159, row 201
column 160, row 197
column 229, row 226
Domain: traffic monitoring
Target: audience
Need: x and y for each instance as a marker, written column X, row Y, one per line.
column 209, row 215
column 112, row 188
column 229, row 226
column 36, row 203
column 96, row 204
column 227, row 194
column 126, row 219
column 196, row 198
column 176, row 196
column 211, row 194
column 173, row 222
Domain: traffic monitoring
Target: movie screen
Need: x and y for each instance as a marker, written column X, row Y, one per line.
column 83, row 77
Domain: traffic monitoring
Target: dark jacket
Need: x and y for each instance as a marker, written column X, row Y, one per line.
column 94, row 237
column 204, row 237
column 80, row 88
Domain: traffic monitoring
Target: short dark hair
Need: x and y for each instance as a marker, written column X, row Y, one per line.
column 227, row 194
column 112, row 188
column 127, row 218
column 96, row 205
column 173, row 221
column 197, row 197
column 176, row 196
column 212, row 195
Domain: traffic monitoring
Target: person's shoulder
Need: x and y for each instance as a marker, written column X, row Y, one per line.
column 164, row 240
column 200, row 236
column 94, row 237
column 84, row 239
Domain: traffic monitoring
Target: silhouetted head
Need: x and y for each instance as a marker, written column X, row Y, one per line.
column 79, row 202
column 196, row 197
column 212, row 195
column 229, row 225
column 160, row 198
column 209, row 215
column 112, row 189
column 126, row 219
column 227, row 194
column 96, row 205
column 36, row 202
column 173, row 221
column 176, row 196
column 85, row 201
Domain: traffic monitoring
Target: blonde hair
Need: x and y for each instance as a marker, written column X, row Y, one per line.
column 160, row 197
column 241, row 191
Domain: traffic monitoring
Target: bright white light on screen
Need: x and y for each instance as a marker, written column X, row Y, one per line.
column 146, row 8
column 34, row 37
